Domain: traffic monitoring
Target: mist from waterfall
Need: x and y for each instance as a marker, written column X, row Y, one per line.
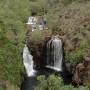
column 28, row 61
column 54, row 53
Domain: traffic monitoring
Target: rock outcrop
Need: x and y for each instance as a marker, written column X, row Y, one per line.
column 82, row 72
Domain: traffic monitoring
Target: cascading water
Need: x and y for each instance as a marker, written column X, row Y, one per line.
column 54, row 53
column 28, row 61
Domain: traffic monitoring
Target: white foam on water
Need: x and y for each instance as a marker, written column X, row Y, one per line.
column 54, row 68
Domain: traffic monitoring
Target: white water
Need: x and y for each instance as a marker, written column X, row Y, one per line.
column 36, row 23
column 32, row 21
column 54, row 53
column 28, row 61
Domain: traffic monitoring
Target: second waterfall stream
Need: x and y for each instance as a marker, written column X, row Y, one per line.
column 28, row 62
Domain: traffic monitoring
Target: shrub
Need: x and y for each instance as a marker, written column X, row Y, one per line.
column 54, row 82
column 51, row 83
column 77, row 55
column 2, row 87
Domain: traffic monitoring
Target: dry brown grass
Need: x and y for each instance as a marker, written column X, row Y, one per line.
column 74, row 21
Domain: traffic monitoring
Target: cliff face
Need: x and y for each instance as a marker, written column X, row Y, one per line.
column 82, row 72
column 36, row 42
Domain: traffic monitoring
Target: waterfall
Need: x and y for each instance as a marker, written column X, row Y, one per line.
column 28, row 61
column 54, row 53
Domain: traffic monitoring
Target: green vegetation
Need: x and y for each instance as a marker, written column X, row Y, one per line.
column 54, row 82
column 37, row 37
column 2, row 87
column 51, row 83
column 13, row 15
column 69, row 16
